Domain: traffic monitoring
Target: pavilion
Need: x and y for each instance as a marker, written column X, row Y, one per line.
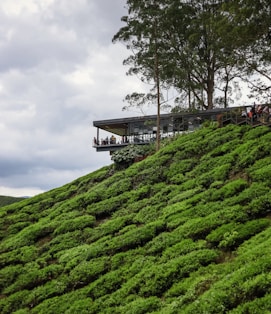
column 142, row 130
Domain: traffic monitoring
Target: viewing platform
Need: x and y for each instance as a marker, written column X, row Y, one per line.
column 142, row 130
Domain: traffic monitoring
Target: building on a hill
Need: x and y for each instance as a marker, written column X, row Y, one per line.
column 142, row 130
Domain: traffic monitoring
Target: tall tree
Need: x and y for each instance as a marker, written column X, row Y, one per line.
column 249, row 23
column 197, row 46
column 183, row 36
column 143, row 37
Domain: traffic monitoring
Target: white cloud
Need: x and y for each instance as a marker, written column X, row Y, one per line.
column 59, row 71
column 20, row 192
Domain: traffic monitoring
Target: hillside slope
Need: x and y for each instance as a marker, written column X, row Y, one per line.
column 7, row 200
column 187, row 230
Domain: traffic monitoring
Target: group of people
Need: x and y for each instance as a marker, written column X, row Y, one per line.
column 111, row 140
column 258, row 111
column 106, row 141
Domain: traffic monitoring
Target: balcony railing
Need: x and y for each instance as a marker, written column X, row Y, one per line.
column 173, row 124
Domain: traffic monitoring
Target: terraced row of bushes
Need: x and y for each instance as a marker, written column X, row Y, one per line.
column 187, row 230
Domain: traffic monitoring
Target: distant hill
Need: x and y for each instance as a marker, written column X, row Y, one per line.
column 7, row 200
column 187, row 230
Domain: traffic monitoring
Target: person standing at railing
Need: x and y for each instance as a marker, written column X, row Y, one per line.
column 259, row 111
column 243, row 113
column 252, row 114
column 112, row 140
column 267, row 113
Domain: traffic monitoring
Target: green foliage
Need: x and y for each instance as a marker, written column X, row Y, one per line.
column 127, row 156
column 231, row 188
column 231, row 235
column 78, row 223
column 7, row 200
column 187, row 230
column 141, row 306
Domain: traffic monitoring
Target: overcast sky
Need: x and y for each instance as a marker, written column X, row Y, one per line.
column 59, row 71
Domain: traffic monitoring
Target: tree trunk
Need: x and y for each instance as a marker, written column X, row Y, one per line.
column 210, row 88
column 157, row 81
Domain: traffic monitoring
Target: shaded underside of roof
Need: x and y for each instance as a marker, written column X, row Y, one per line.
column 120, row 126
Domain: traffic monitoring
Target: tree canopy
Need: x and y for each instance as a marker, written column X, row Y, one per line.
column 199, row 47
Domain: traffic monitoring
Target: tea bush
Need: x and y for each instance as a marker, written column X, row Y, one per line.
column 183, row 247
column 239, row 233
column 256, row 306
column 58, row 303
column 9, row 274
column 255, row 133
column 141, row 306
column 77, row 223
column 186, row 230
column 13, row 302
column 87, row 271
column 159, row 243
column 136, row 237
column 82, row 306
column 17, row 227
column 21, row 255
column 32, row 275
column 29, row 235
column 62, row 242
column 180, row 167
column 106, row 284
column 183, row 195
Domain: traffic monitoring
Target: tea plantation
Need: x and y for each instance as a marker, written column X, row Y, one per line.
column 7, row 200
column 187, row 230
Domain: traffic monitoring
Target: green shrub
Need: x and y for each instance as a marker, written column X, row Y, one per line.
column 147, row 214
column 141, row 306
column 113, row 226
column 13, row 302
column 257, row 306
column 9, row 274
column 106, row 284
column 157, row 279
column 262, row 175
column 183, row 195
column 159, row 243
column 136, row 237
column 180, row 167
column 22, row 311
column 256, row 133
column 63, row 242
column 82, row 306
column 260, row 206
column 125, row 157
column 129, row 257
column 183, row 247
column 239, row 233
column 17, row 227
column 118, row 187
column 32, row 275
column 107, row 206
column 22, row 255
column 218, row 234
column 77, row 223
column 231, row 188
column 29, row 235
column 60, row 303
column 87, row 271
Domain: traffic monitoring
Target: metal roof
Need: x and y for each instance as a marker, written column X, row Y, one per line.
column 120, row 126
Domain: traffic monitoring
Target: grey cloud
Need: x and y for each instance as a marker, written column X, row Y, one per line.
column 32, row 44
column 59, row 71
column 90, row 18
